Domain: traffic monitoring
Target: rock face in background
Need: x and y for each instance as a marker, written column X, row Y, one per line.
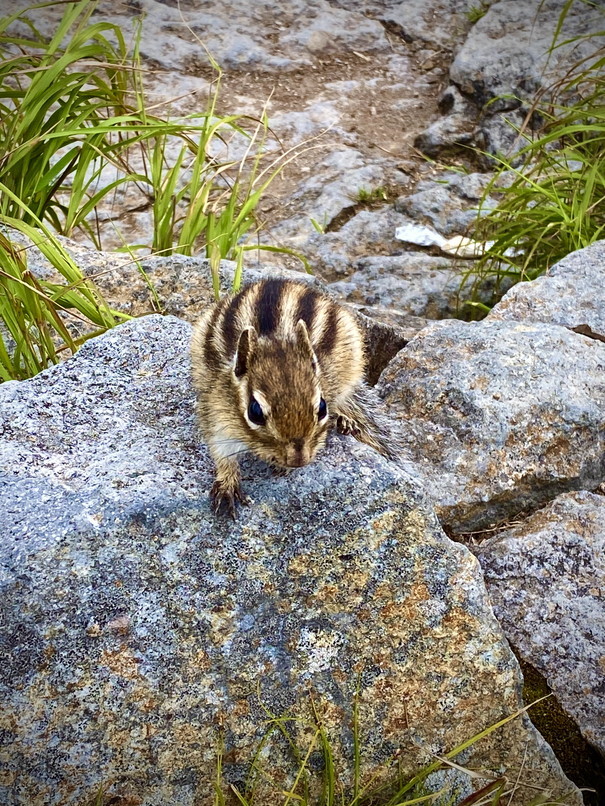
column 364, row 83
column 361, row 81
column 138, row 627
column 546, row 579
column 506, row 52
column 499, row 416
column 571, row 293
column 503, row 62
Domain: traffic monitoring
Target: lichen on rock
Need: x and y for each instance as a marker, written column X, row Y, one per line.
column 140, row 630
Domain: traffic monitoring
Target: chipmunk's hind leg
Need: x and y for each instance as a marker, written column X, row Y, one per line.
column 362, row 416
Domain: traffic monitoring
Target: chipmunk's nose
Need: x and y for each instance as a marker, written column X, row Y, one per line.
column 297, row 453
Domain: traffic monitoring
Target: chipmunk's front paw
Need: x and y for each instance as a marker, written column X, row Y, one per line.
column 344, row 425
column 280, row 471
column 223, row 499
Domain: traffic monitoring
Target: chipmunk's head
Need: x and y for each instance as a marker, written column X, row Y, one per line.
column 281, row 404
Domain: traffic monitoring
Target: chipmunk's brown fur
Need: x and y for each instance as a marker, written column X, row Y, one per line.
column 264, row 362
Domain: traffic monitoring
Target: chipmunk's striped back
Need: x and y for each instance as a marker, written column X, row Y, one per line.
column 273, row 308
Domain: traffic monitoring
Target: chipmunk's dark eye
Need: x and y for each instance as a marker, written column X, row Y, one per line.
column 255, row 412
column 322, row 410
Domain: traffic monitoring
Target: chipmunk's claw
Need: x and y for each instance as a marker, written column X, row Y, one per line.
column 344, row 425
column 223, row 499
column 280, row 471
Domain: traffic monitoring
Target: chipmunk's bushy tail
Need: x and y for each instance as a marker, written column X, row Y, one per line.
column 364, row 416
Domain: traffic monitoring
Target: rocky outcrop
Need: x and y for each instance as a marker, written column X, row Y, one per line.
column 506, row 58
column 546, row 578
column 140, row 632
column 506, row 55
column 450, row 204
column 499, row 416
column 264, row 36
column 571, row 293
column 406, row 285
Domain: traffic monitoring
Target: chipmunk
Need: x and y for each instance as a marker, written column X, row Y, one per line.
column 272, row 367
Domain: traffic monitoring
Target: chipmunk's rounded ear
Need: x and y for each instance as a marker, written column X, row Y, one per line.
column 245, row 349
column 304, row 341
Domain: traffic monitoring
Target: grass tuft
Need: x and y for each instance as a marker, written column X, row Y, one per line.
column 311, row 787
column 552, row 193
column 75, row 129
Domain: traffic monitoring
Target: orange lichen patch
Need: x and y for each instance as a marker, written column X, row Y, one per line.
column 7, row 777
column 241, row 708
column 459, row 622
column 300, row 565
column 328, row 594
column 403, row 612
column 397, row 720
column 381, row 528
column 559, row 449
column 121, row 662
column 222, row 625
column 480, row 382
column 200, row 661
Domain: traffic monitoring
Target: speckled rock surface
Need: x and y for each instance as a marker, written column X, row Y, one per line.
column 267, row 35
column 506, row 51
column 571, row 293
column 499, row 416
column 546, row 580
column 137, row 628
column 413, row 283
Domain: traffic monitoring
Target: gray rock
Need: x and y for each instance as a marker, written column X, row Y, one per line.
column 455, row 132
column 334, row 253
column 440, row 24
column 413, row 283
column 140, row 632
column 499, row 416
column 332, row 189
column 449, row 202
column 502, row 63
column 265, row 36
column 498, row 135
column 570, row 293
column 546, row 578
column 506, row 51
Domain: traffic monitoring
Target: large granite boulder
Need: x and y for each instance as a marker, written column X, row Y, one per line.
column 546, row 578
column 571, row 293
column 500, row 416
column 140, row 633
